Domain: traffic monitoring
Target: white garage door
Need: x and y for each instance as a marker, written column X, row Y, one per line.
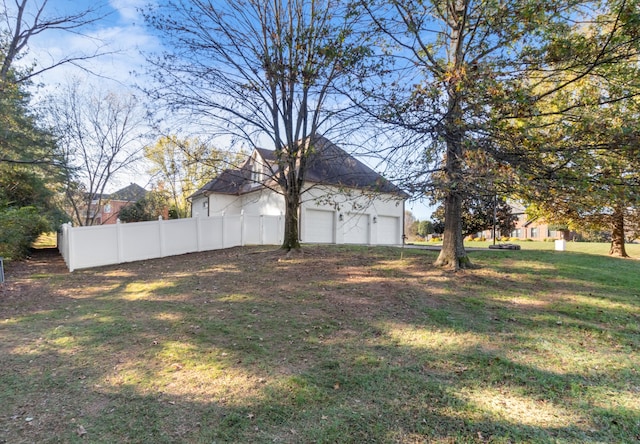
column 318, row 226
column 388, row 230
column 356, row 228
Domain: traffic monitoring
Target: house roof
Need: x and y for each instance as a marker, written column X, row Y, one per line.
column 331, row 165
column 328, row 164
column 130, row 193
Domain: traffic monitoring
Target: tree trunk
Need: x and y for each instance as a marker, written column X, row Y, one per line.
column 617, row 234
column 291, row 220
column 453, row 255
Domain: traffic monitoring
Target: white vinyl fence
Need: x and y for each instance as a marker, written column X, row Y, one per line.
column 84, row 247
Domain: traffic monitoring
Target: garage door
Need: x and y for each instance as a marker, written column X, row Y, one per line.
column 388, row 230
column 318, row 226
column 356, row 228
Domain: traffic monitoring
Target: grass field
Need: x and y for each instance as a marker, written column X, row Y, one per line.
column 599, row 248
column 338, row 345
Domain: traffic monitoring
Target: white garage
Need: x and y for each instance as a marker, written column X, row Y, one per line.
column 343, row 201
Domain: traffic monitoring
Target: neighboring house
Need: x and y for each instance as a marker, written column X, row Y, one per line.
column 344, row 201
column 108, row 207
column 534, row 229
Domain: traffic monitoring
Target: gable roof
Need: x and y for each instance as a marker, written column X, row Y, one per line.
column 130, row 193
column 328, row 164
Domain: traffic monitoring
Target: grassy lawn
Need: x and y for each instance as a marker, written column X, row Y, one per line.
column 599, row 248
column 338, row 345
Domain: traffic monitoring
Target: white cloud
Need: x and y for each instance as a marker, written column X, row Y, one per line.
column 128, row 9
column 121, row 39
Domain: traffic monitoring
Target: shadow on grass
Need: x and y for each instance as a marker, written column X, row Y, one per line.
column 339, row 345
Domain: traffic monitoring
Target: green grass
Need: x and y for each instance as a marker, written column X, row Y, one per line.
column 599, row 248
column 338, row 345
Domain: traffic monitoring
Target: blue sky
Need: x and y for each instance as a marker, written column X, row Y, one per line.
column 122, row 32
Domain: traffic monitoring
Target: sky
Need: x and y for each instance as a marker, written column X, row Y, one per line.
column 123, row 34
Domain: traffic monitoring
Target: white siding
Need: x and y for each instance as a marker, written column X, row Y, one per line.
column 220, row 204
column 357, row 211
column 263, row 202
column 200, row 206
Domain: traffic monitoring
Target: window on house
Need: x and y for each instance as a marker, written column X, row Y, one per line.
column 256, row 172
column 516, row 233
column 107, row 208
column 534, row 232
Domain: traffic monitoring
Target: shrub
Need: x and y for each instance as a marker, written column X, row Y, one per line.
column 19, row 228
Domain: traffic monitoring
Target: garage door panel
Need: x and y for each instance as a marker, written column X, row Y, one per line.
column 319, row 226
column 388, row 230
column 356, row 228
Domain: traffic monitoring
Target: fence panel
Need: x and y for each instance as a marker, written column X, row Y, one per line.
column 272, row 230
column 93, row 246
column 211, row 233
column 84, row 247
column 139, row 241
column 179, row 237
column 232, row 229
column 252, row 230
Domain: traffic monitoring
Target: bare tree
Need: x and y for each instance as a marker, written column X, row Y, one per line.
column 101, row 134
column 259, row 71
column 26, row 19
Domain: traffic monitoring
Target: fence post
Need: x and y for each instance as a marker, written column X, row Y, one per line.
column 198, row 240
column 222, row 224
column 242, row 228
column 119, row 240
column 70, row 255
column 161, row 236
column 261, row 228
